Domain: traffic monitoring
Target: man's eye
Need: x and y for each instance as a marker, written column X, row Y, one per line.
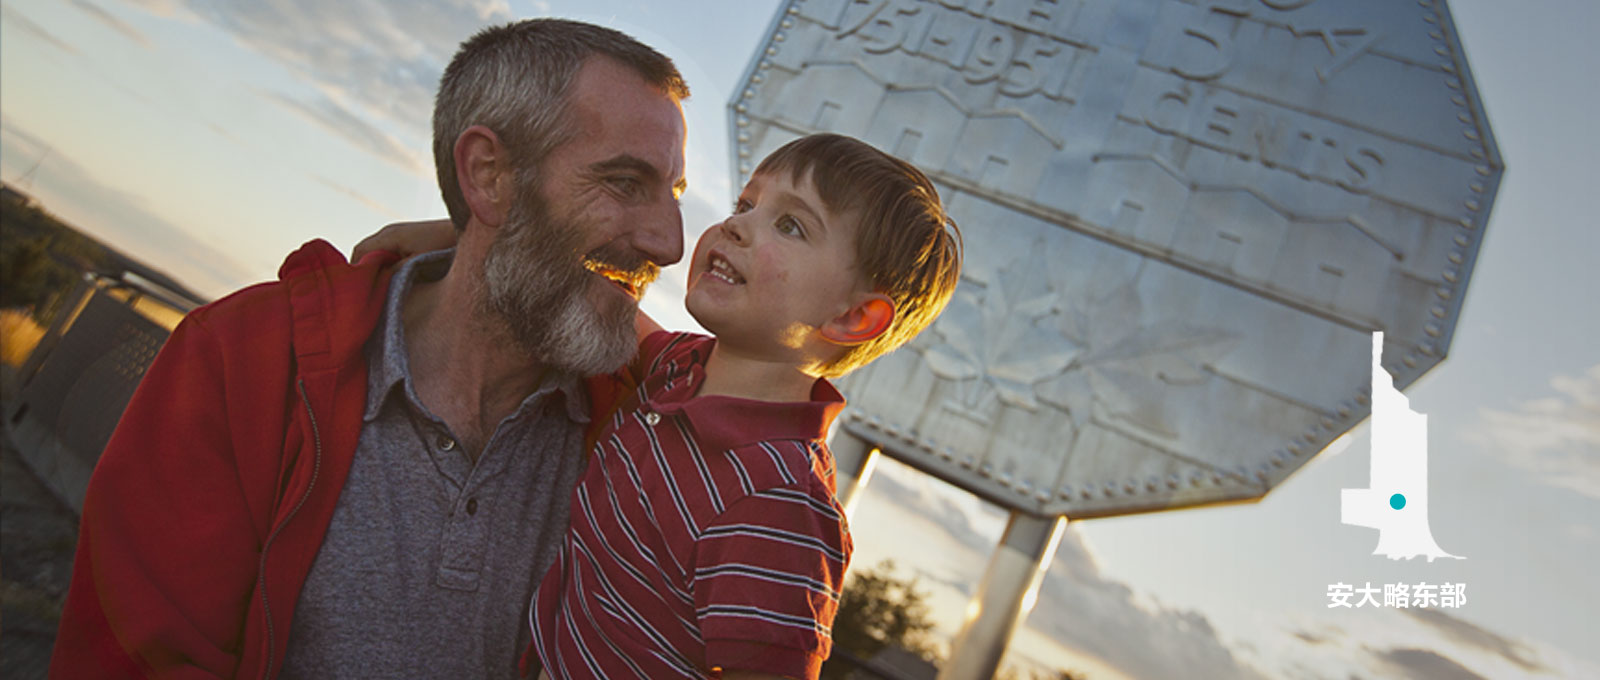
column 627, row 186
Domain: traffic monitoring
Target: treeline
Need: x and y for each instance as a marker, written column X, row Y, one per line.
column 41, row 257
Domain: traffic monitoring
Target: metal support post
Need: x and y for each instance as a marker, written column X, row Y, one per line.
column 853, row 459
column 1008, row 590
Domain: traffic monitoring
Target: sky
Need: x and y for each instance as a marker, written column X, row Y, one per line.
column 211, row 138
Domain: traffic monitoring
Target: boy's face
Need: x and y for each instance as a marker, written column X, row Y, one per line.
column 766, row 278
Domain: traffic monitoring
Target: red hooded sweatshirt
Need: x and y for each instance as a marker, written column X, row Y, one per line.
column 211, row 500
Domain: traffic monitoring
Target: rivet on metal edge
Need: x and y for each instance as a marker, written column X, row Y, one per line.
column 1462, row 240
column 744, row 136
column 1129, row 487
column 1438, row 312
column 1443, row 293
column 1476, row 187
column 743, row 121
column 1294, row 449
column 1345, row 410
column 787, row 23
column 744, row 151
column 1427, row 349
column 1442, row 51
column 793, row 9
column 1216, row 478
column 967, row 462
column 1452, row 83
column 772, row 51
column 779, row 37
column 1454, row 257
column 947, row 454
column 1436, row 35
column 1465, row 222
column 744, row 168
column 757, row 78
column 1448, row 67
column 1470, row 134
column 1432, row 330
column 1110, row 489
column 1066, row 492
column 1473, row 205
column 1173, row 481
column 1411, row 362
column 985, row 470
column 1261, row 474
column 1151, row 483
column 1327, row 423
column 1278, row 459
column 1430, row 18
column 749, row 93
column 1463, row 117
column 1483, row 170
column 876, row 422
column 1087, row 493
column 1042, row 496
column 1458, row 100
column 766, row 64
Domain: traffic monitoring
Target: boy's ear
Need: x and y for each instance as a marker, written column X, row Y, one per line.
column 865, row 320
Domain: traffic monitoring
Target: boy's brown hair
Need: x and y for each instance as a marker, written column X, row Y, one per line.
column 906, row 246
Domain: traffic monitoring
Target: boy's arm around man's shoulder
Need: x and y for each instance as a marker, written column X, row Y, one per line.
column 170, row 539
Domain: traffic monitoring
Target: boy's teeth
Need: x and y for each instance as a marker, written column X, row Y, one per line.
column 722, row 270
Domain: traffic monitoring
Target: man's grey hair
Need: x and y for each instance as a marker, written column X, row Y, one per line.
column 516, row 80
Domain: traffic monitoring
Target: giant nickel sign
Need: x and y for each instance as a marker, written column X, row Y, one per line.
column 1183, row 220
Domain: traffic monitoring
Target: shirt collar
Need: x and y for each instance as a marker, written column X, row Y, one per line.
column 389, row 364
column 722, row 422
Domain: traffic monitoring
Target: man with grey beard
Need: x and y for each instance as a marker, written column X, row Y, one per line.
column 362, row 470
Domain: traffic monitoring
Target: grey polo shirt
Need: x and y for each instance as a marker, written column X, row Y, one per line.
column 430, row 561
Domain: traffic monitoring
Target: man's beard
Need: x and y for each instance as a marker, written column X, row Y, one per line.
column 538, row 286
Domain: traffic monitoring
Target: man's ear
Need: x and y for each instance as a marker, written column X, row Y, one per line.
column 865, row 320
column 483, row 171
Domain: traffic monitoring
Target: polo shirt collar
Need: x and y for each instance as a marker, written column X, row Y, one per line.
column 390, row 366
column 722, row 422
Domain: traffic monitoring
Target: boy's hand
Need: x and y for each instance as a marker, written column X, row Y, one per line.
column 408, row 238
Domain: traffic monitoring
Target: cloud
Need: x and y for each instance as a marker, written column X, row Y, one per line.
column 1481, row 638
column 99, row 14
column 1078, row 606
column 383, row 59
column 118, row 217
column 1556, row 438
column 362, row 134
column 21, row 21
column 359, row 197
column 1423, row 664
column 1101, row 617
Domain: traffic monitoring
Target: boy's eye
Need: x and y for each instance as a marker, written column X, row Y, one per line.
column 789, row 226
column 742, row 206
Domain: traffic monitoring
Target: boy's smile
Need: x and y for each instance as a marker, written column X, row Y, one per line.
column 766, row 278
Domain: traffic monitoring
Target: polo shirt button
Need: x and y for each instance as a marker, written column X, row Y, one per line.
column 472, row 506
column 652, row 418
column 446, row 443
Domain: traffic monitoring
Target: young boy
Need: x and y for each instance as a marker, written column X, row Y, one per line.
column 705, row 538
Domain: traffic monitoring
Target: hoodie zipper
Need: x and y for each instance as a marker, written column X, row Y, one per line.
column 316, row 467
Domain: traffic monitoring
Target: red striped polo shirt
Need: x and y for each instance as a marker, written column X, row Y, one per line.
column 704, row 535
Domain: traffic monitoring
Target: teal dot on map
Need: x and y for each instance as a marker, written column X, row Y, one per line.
column 1397, row 501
